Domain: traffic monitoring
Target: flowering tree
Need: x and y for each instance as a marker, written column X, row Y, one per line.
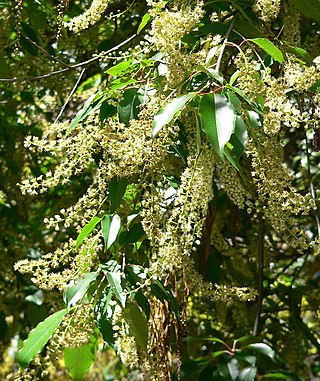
column 167, row 162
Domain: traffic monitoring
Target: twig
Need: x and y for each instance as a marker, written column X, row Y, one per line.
column 70, row 95
column 224, row 45
column 260, row 280
column 15, row 79
column 312, row 191
column 44, row 51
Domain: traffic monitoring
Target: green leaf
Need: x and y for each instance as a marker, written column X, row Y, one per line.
column 115, row 281
column 79, row 360
column 38, row 337
column 92, row 104
column 75, row 293
column 264, row 349
column 309, row 8
column 119, row 68
column 121, row 82
column 218, row 120
column 300, row 53
column 239, row 138
column 106, row 110
column 228, row 370
column 160, row 292
column 212, row 73
column 145, row 19
column 283, row 374
column 231, row 159
column 110, row 226
column 129, row 106
column 117, row 188
column 133, row 235
column 138, row 324
column 269, row 48
column 86, row 230
column 170, row 111
column 247, row 374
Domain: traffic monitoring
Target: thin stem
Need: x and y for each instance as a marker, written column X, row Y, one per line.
column 312, row 191
column 44, row 51
column 70, row 95
column 224, row 45
column 84, row 63
column 260, row 280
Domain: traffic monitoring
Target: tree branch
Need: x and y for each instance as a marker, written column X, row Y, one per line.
column 84, row 63
column 260, row 280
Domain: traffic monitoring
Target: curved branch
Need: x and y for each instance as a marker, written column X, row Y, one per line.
column 84, row 63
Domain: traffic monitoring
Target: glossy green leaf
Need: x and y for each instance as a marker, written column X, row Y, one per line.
column 269, row 48
column 115, row 281
column 264, row 349
column 300, row 53
column 284, row 375
column 117, row 188
column 129, row 106
column 309, row 8
column 75, row 293
column 170, row 111
column 119, row 68
column 92, row 104
column 137, row 322
column 239, row 138
column 229, row 370
column 218, row 120
column 38, row 338
column 145, row 19
column 86, row 230
column 110, row 226
column 247, row 374
column 79, row 360
column 212, row 73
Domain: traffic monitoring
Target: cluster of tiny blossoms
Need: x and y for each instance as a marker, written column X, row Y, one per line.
column 267, row 10
column 46, row 271
column 90, row 17
column 125, row 343
column 75, row 150
column 170, row 26
column 230, row 181
column 280, row 201
column 181, row 235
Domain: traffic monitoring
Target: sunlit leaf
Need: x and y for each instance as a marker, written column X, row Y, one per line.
column 137, row 322
column 86, row 230
column 75, row 293
column 79, row 360
column 110, row 226
column 218, row 120
column 269, row 48
column 145, row 19
column 170, row 111
column 38, row 338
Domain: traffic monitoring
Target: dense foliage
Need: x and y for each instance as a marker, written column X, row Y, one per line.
column 159, row 196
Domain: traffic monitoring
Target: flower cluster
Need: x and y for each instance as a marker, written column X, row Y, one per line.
column 278, row 200
column 90, row 17
column 267, row 10
column 46, row 271
column 170, row 26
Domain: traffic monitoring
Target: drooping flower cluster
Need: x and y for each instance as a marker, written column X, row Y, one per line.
column 90, row 17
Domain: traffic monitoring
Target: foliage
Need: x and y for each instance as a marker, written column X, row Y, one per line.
column 160, row 172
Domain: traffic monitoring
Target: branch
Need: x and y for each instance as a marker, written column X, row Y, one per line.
column 260, row 280
column 84, row 63
column 70, row 95
column 312, row 191
column 44, row 51
column 224, row 45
